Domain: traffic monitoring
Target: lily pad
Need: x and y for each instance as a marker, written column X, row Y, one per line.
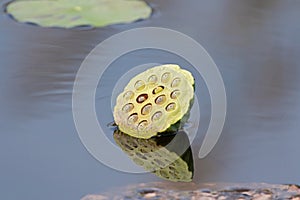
column 72, row 13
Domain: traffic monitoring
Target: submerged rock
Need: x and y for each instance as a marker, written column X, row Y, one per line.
column 209, row 191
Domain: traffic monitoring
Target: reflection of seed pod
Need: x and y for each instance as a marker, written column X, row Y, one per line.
column 159, row 97
column 168, row 157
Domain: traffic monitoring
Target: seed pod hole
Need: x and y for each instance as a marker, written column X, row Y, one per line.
column 175, row 94
column 160, row 99
column 141, row 98
column 139, row 85
column 175, row 82
column 128, row 95
column 128, row 107
column 142, row 125
column 132, row 118
column 170, row 107
column 165, row 77
column 152, row 79
column 158, row 89
column 146, row 109
column 156, row 116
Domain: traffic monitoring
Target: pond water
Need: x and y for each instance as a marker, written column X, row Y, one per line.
column 256, row 46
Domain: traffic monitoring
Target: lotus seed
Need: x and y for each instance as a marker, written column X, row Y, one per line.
column 156, row 116
column 128, row 95
column 160, row 99
column 152, row 79
column 132, row 118
column 175, row 82
column 139, row 85
column 175, row 94
column 165, row 77
column 171, row 107
column 142, row 125
column 141, row 98
column 146, row 109
column 158, row 89
column 128, row 107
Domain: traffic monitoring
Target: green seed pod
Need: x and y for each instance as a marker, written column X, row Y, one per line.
column 167, row 157
column 154, row 100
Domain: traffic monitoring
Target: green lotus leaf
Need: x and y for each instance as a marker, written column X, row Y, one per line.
column 72, row 13
column 155, row 101
column 167, row 157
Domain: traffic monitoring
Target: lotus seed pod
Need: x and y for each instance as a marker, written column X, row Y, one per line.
column 154, row 100
column 171, row 162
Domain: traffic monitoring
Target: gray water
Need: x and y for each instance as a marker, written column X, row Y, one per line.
column 256, row 46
